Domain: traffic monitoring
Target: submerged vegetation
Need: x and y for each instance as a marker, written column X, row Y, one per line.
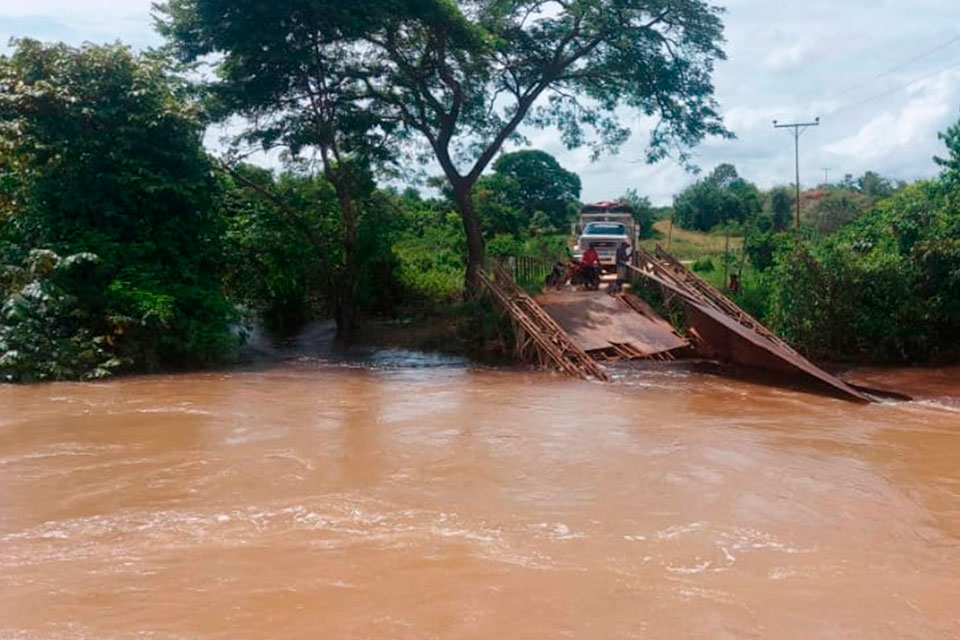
column 125, row 245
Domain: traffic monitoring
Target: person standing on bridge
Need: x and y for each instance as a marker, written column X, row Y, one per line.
column 623, row 259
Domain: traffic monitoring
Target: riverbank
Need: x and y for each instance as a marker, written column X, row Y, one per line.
column 476, row 331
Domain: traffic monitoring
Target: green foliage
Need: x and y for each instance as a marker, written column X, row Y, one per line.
column 703, row 265
column 781, row 208
column 430, row 254
column 43, row 332
column 834, row 210
column 460, row 81
column 528, row 193
column 643, row 212
column 104, row 156
column 874, row 186
column 280, row 246
column 284, row 254
column 503, row 245
column 762, row 247
column 533, row 183
column 295, row 71
column 951, row 164
column 720, row 198
column 884, row 288
column 463, row 90
column 496, row 216
column 546, row 247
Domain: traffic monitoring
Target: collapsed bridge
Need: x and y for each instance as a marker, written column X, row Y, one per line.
column 578, row 331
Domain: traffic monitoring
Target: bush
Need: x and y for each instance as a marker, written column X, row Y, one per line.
column 704, row 265
column 761, row 248
column 108, row 160
column 42, row 332
column 883, row 289
column 431, row 260
column 503, row 245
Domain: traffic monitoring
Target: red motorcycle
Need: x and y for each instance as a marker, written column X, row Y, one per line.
column 585, row 275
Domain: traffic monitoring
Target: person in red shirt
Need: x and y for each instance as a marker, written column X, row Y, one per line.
column 591, row 261
column 590, row 257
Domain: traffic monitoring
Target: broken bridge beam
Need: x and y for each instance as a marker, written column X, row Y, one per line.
column 730, row 333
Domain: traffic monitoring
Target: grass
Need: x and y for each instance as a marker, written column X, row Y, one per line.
column 684, row 244
column 690, row 246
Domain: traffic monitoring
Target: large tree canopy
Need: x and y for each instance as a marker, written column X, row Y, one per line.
column 534, row 183
column 951, row 163
column 293, row 70
column 573, row 65
column 461, row 78
column 720, row 198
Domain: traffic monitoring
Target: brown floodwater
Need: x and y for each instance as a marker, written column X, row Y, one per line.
column 411, row 496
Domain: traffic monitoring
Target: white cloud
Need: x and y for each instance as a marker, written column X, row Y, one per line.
column 78, row 21
column 787, row 57
column 930, row 107
column 62, row 8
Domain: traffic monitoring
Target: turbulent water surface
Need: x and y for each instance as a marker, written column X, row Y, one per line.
column 417, row 497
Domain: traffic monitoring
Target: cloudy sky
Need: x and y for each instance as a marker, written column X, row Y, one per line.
column 882, row 75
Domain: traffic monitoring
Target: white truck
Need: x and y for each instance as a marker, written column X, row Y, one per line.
column 603, row 226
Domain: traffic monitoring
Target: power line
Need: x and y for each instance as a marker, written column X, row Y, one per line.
column 920, row 56
column 896, row 89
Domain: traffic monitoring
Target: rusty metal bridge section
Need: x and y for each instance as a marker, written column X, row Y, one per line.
column 721, row 330
column 576, row 331
column 538, row 337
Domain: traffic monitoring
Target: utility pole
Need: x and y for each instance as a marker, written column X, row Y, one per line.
column 826, row 175
column 798, row 128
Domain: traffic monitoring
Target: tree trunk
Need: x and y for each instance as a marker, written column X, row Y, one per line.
column 463, row 191
column 346, row 311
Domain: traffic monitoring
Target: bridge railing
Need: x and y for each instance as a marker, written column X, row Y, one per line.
column 526, row 270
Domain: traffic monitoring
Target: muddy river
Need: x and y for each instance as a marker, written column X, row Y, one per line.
column 413, row 496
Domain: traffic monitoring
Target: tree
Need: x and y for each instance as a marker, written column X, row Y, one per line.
column 281, row 245
column 533, row 181
column 103, row 158
column 836, row 209
column 781, row 207
column 643, row 211
column 720, row 198
column 762, row 247
column 951, row 163
column 874, row 186
column 574, row 65
column 293, row 71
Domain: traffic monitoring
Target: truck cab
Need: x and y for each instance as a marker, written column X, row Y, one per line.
column 603, row 226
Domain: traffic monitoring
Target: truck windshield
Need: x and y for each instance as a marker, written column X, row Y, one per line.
column 605, row 229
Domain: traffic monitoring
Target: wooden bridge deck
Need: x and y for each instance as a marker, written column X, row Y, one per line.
column 598, row 322
column 574, row 330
